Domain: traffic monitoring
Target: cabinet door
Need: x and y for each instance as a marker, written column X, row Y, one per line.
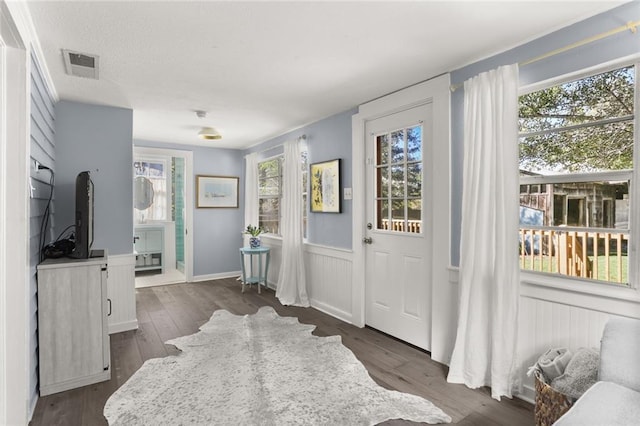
column 71, row 323
column 153, row 241
column 140, row 238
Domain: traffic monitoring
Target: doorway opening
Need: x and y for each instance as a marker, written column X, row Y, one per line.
column 160, row 218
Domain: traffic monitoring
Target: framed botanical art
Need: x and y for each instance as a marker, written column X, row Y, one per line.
column 325, row 185
column 217, row 191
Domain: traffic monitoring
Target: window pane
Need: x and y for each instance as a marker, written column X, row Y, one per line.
column 599, row 252
column 398, row 214
column 595, row 204
column 593, row 98
column 382, row 143
column 382, row 214
column 397, row 181
column 397, row 146
column 269, row 168
column 382, row 181
column 414, row 215
column 414, row 143
column 588, row 149
column 269, row 214
column 414, row 180
column 269, row 186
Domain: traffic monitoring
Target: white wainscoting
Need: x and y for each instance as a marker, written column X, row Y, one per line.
column 329, row 277
column 329, row 280
column 555, row 319
column 545, row 324
column 121, row 292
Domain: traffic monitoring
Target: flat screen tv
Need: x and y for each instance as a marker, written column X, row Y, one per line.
column 84, row 216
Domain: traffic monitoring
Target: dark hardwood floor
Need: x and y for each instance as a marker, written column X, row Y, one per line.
column 177, row 310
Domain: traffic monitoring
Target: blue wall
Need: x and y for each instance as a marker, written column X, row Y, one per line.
column 327, row 139
column 99, row 139
column 217, row 233
column 611, row 48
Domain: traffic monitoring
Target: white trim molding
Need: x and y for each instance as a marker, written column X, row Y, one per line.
column 219, row 276
column 15, row 368
column 22, row 18
column 189, row 197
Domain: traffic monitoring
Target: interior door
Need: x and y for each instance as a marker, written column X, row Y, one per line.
column 398, row 287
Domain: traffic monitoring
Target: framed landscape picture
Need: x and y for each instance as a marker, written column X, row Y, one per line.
column 325, row 185
column 217, row 191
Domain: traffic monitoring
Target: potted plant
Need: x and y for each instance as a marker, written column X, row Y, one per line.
column 254, row 231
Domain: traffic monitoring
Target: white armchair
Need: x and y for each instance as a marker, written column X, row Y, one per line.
column 615, row 398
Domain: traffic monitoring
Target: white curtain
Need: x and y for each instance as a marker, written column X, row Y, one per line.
column 292, row 285
column 485, row 350
column 251, row 190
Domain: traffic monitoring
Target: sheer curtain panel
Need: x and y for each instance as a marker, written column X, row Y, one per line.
column 292, row 285
column 485, row 350
column 251, row 190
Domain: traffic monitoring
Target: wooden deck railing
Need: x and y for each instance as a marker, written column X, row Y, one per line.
column 413, row 226
column 595, row 254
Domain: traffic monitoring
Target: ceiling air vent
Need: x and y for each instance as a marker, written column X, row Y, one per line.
column 80, row 64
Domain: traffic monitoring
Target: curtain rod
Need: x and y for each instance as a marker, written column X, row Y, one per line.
column 631, row 26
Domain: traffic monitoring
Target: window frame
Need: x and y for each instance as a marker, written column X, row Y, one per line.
column 381, row 196
column 589, row 293
column 165, row 194
column 304, row 190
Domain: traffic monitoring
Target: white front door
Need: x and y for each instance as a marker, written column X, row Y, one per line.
column 397, row 283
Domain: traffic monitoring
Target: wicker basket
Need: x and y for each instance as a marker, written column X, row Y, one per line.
column 550, row 404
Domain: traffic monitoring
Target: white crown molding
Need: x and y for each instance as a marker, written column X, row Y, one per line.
column 22, row 18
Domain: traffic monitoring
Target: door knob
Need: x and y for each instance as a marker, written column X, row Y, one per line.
column 367, row 240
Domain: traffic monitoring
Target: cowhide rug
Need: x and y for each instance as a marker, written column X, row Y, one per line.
column 260, row 369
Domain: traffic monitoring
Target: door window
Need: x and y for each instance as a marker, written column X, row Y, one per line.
column 399, row 180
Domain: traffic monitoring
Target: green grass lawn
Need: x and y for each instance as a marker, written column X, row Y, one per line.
column 549, row 264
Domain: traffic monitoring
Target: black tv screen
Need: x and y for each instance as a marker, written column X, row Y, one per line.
column 84, row 216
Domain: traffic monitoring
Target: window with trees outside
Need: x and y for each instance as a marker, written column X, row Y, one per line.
column 399, row 180
column 576, row 171
column 270, row 192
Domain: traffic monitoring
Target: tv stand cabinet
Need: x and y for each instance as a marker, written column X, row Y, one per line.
column 72, row 323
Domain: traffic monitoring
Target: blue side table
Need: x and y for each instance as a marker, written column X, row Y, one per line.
column 259, row 277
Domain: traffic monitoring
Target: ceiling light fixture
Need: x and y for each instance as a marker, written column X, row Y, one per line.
column 207, row 133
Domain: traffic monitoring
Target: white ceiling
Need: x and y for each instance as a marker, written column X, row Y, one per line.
column 263, row 68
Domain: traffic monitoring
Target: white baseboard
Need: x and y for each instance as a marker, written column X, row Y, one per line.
column 330, row 310
column 232, row 274
column 528, row 394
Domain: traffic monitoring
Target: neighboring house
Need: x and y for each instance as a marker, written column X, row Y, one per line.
column 63, row 136
column 590, row 204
